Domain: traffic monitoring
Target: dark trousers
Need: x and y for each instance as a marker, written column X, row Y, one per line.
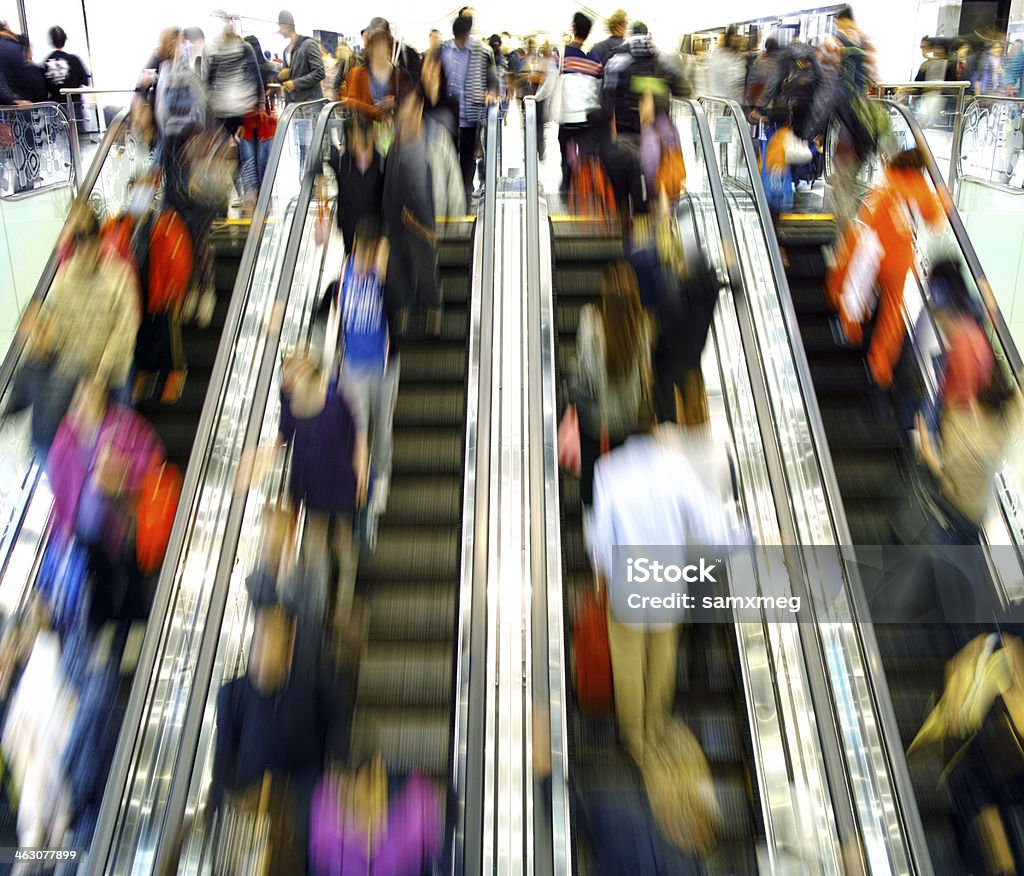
column 468, row 140
column 412, row 274
column 590, row 452
column 567, row 139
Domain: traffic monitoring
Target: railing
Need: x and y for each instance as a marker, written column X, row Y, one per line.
column 990, row 146
column 143, row 806
column 35, row 150
column 76, row 146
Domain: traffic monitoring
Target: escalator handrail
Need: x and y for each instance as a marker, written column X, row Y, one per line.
column 131, row 726
column 177, row 798
column 549, row 676
column 469, row 703
column 963, row 239
column 843, row 807
column 15, row 350
column 903, row 798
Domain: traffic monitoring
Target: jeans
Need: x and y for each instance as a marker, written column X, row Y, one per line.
column 258, row 153
column 567, row 137
column 372, row 397
column 469, row 140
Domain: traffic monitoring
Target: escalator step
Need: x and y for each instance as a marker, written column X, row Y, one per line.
column 408, row 611
column 412, row 552
column 421, row 500
column 201, row 345
column 849, row 425
column 574, row 550
column 942, row 838
column 423, row 451
column 808, row 297
column 455, row 287
column 430, row 406
column 805, row 263
column 578, row 282
column 869, row 478
column 931, row 789
column 405, row 674
column 572, row 249
column 833, row 376
column 454, row 254
column 408, row 739
column 822, row 338
column 720, row 734
column 868, row 525
column 430, row 363
column 732, row 789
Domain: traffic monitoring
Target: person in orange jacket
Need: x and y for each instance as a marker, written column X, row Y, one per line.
column 877, row 252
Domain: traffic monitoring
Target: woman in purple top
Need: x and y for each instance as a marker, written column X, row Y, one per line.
column 363, row 822
column 328, row 473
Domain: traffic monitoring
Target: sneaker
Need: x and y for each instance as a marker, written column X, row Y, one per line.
column 434, row 318
column 206, row 308
column 173, row 388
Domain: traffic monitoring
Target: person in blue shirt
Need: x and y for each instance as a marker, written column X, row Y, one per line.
column 369, row 364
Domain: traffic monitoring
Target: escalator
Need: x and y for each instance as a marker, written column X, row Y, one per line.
column 410, row 583
column 709, row 696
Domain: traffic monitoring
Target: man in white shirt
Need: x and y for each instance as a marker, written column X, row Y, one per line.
column 667, row 488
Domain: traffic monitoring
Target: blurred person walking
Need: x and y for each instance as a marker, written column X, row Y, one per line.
column 581, row 87
column 375, row 87
column 616, row 24
column 727, row 68
column 359, row 172
column 64, row 70
column 303, row 69
column 234, row 81
column 469, row 70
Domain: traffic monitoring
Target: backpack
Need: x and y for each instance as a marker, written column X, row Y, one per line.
column 180, row 105
column 170, row 262
column 591, row 194
column 800, row 83
column 212, row 162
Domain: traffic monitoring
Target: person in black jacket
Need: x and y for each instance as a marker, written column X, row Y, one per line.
column 408, row 210
column 360, row 176
column 64, row 70
column 303, row 69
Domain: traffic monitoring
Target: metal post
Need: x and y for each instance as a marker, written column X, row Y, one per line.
column 954, row 150
column 76, row 149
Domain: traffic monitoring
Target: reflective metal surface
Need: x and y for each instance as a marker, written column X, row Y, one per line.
column 35, row 150
column 132, row 820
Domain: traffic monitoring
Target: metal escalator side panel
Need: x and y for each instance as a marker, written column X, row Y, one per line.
column 875, row 770
column 137, row 790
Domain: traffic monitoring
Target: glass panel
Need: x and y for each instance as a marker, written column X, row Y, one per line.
column 156, row 750
column 935, row 109
column 992, row 140
column 35, row 149
column 869, row 778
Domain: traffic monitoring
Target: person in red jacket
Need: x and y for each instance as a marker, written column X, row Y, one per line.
column 877, row 251
column 375, row 87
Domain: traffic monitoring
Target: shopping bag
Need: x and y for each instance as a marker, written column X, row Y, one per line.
column 569, row 442
column 592, row 658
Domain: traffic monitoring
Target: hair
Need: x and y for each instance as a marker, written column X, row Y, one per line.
column 845, row 13
column 358, row 123
column 369, row 229
column 58, row 37
column 435, row 30
column 638, row 28
column 908, row 159
column 581, row 25
column 771, row 44
column 623, row 318
column 462, row 26
column 947, row 287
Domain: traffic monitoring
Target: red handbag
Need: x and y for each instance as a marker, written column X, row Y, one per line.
column 158, row 503
column 592, row 656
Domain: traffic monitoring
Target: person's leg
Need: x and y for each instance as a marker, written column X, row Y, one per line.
column 889, row 329
column 590, row 450
column 382, row 418
column 345, row 557
column 428, row 289
column 627, row 653
column 662, row 649
column 467, row 158
column 566, row 138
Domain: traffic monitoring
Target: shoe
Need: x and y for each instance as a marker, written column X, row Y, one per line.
column 205, row 309
column 173, row 387
column 434, row 317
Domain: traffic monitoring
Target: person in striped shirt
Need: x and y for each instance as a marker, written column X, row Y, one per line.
column 581, row 78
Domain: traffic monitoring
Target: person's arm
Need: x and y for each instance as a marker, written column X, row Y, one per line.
column 8, row 96
column 316, row 68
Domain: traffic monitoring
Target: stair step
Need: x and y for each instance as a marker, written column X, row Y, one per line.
column 412, row 552
column 405, row 674
column 408, row 739
column 421, row 500
column 411, row 610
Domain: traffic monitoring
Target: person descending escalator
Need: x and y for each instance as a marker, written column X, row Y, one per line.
column 366, row 818
column 440, row 122
column 359, row 173
column 877, row 251
column 234, row 83
column 410, row 217
column 612, row 384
